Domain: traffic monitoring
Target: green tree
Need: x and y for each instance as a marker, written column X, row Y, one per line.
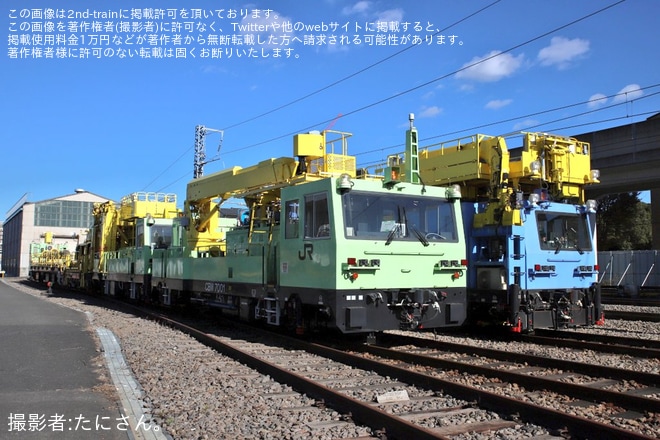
column 623, row 222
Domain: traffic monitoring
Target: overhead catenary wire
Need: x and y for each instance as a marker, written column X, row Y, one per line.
column 335, row 83
column 564, row 107
column 425, row 84
column 432, row 81
column 354, row 74
column 552, row 129
column 528, row 115
column 185, row 153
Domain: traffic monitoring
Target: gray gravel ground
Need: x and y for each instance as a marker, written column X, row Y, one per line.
column 195, row 393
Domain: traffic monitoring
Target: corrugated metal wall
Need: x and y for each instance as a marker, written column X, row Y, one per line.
column 629, row 268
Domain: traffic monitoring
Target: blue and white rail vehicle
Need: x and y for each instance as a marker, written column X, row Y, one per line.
column 532, row 260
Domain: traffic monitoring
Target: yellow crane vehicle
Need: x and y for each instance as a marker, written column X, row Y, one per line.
column 320, row 245
column 116, row 258
column 463, row 231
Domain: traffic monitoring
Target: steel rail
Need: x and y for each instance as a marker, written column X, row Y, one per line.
column 582, row 392
column 578, row 426
column 508, row 356
column 637, row 347
column 632, row 316
column 378, row 420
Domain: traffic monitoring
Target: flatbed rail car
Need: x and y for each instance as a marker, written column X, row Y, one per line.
column 319, row 246
column 49, row 260
column 530, row 233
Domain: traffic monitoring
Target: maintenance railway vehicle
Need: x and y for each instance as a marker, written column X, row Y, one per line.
column 49, row 260
column 320, row 245
column 531, row 235
column 460, row 232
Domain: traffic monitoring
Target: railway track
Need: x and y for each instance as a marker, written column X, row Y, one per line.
column 640, row 301
column 648, row 348
column 574, row 379
column 388, row 397
column 416, row 397
column 617, row 307
column 632, row 316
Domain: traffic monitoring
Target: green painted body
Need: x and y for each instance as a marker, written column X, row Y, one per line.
column 129, row 269
column 321, row 245
column 354, row 274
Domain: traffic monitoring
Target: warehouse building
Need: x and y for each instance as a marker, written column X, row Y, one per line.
column 62, row 222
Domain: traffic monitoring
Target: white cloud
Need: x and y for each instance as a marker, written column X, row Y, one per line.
column 597, row 100
column 491, row 67
column 363, row 7
column 628, row 93
column 360, row 7
column 394, row 15
column 525, row 124
column 429, row 112
column 498, row 103
column 561, row 51
column 428, row 95
column 214, row 69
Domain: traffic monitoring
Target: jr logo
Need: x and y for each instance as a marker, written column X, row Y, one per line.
column 306, row 252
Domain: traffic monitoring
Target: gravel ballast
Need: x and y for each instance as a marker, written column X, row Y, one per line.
column 192, row 392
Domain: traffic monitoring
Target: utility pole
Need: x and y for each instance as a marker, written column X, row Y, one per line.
column 200, row 148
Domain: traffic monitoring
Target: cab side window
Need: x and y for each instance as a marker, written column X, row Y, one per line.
column 317, row 216
column 292, row 220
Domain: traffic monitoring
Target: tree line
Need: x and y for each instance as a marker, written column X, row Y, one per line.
column 623, row 222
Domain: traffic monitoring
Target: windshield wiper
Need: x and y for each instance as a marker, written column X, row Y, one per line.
column 576, row 246
column 395, row 228
column 390, row 236
column 400, row 227
column 419, row 235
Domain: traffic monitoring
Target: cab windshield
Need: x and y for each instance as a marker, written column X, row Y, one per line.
column 563, row 232
column 372, row 216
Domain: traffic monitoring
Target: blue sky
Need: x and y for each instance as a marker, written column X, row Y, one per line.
column 113, row 125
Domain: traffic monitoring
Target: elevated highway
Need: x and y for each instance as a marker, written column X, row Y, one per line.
column 628, row 158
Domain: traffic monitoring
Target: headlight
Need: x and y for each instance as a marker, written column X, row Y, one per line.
column 535, row 167
column 454, row 192
column 344, row 182
column 592, row 205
